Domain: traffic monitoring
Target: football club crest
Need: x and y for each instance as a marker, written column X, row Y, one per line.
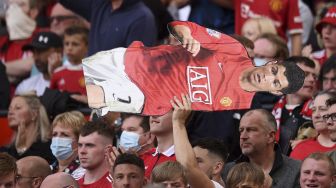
column 226, row 101
column 276, row 5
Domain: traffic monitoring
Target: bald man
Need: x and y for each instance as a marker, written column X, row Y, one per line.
column 31, row 172
column 59, row 180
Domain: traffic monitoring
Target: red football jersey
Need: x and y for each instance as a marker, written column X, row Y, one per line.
column 151, row 159
column 284, row 14
column 103, row 182
column 211, row 78
column 70, row 79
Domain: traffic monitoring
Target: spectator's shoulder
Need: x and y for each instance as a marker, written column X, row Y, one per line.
column 292, row 164
column 58, row 70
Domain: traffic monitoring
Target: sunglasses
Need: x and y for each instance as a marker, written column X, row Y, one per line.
column 327, row 116
column 61, row 18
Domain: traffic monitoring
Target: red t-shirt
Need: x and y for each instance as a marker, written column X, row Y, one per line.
column 305, row 148
column 211, row 78
column 103, row 182
column 284, row 14
column 152, row 158
column 12, row 49
column 70, row 79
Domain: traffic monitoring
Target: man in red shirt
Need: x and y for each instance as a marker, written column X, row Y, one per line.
column 161, row 128
column 95, row 139
column 212, row 67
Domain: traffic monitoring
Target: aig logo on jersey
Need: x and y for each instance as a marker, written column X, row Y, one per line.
column 213, row 33
column 199, row 84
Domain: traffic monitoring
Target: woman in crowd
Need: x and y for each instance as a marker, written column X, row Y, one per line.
column 322, row 143
column 65, row 134
column 29, row 120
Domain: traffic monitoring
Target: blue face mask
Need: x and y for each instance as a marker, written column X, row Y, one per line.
column 130, row 140
column 61, row 147
column 259, row 61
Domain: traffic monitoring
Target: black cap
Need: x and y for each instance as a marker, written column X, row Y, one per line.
column 44, row 40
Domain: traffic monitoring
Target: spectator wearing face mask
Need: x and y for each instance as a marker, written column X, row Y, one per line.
column 136, row 135
column 276, row 49
column 66, row 127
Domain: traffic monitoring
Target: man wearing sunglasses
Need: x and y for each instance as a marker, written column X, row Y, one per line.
column 213, row 68
column 62, row 18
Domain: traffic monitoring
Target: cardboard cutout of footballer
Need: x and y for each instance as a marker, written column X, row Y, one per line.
column 212, row 68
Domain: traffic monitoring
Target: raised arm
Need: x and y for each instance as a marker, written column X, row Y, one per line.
column 193, row 37
column 183, row 150
column 183, row 34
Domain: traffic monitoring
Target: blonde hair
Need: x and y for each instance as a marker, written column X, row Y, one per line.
column 43, row 127
column 245, row 172
column 318, row 156
column 264, row 24
column 169, row 170
column 74, row 120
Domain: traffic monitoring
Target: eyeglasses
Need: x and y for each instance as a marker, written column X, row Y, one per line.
column 61, row 18
column 327, row 116
column 18, row 177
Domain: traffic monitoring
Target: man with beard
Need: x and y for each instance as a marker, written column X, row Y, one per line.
column 257, row 142
column 47, row 49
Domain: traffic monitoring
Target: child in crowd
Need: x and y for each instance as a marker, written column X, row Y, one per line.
column 70, row 76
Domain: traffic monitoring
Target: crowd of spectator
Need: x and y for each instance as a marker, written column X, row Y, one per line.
column 57, row 141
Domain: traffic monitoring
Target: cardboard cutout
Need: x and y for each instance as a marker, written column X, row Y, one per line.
column 141, row 79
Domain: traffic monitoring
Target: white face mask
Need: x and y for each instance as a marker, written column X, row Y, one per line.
column 259, row 61
column 61, row 147
column 20, row 25
column 130, row 141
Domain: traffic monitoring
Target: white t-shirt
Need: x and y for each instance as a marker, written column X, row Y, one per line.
column 35, row 83
column 217, row 185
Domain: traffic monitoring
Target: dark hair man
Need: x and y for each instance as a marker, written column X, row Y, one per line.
column 129, row 171
column 94, row 143
column 328, row 73
column 292, row 110
column 211, row 155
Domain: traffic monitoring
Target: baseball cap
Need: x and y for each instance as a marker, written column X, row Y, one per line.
column 44, row 40
column 329, row 18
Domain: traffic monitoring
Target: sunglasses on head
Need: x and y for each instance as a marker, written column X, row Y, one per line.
column 61, row 18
